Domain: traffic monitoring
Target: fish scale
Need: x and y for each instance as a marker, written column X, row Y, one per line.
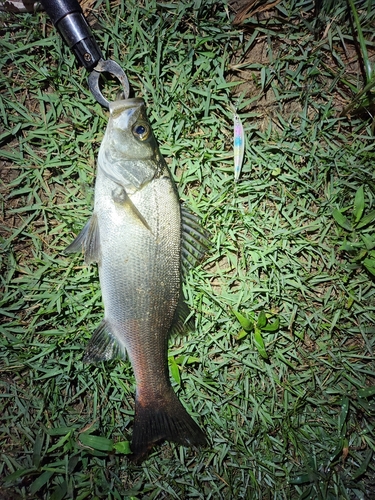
column 137, row 235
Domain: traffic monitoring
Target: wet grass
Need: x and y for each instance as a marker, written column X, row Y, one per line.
column 281, row 367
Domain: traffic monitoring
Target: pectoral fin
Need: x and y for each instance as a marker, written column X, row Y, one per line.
column 121, row 197
column 88, row 242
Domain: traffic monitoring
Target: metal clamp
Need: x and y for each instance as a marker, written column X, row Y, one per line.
column 68, row 18
column 115, row 70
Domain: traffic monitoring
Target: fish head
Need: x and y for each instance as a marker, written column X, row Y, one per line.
column 129, row 154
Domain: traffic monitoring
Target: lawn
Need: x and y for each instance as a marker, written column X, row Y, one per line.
column 280, row 369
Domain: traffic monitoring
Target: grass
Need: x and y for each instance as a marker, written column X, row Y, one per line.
column 289, row 410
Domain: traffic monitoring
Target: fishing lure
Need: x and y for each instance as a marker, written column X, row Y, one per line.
column 238, row 146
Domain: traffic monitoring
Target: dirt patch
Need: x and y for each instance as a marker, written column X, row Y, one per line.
column 8, row 173
column 245, row 9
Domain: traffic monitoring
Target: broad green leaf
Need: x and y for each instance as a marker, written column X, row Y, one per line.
column 72, row 463
column 302, row 479
column 341, row 220
column 123, row 447
column 40, row 481
column 100, row 443
column 272, row 327
column 348, row 246
column 349, row 302
column 262, row 320
column 187, row 360
column 60, row 431
column 37, row 449
column 192, row 359
column 367, row 392
column 363, row 467
column 60, row 442
column 247, row 324
column 369, row 241
column 242, row 334
column 366, row 220
column 59, row 492
column 175, row 371
column 362, row 253
column 343, row 414
column 259, row 343
column 17, row 474
column 338, row 450
column 370, row 265
column 359, row 204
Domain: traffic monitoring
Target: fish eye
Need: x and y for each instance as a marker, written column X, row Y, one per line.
column 141, row 131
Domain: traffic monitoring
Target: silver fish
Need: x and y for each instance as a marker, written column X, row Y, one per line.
column 143, row 242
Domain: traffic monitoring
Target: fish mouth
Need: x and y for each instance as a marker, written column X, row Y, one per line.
column 117, row 107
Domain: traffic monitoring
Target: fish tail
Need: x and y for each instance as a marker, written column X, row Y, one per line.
column 163, row 419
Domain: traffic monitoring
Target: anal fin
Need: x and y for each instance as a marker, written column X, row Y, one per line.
column 181, row 324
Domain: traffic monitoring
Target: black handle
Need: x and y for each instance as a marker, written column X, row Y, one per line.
column 68, row 18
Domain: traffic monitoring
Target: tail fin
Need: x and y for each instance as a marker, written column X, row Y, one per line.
column 163, row 419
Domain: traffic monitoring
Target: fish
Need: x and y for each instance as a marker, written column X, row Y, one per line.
column 238, row 145
column 144, row 242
